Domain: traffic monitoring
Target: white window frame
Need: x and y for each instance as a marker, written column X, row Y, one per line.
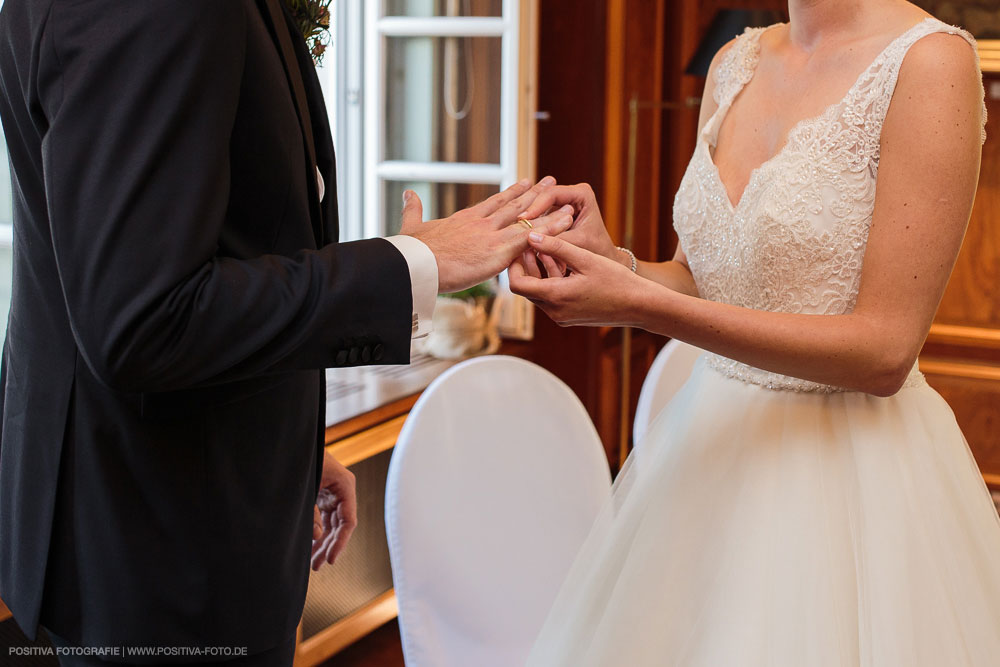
column 356, row 94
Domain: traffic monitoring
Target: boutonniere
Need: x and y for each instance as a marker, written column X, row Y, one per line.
column 313, row 19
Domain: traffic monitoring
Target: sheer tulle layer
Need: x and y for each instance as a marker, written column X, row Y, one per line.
column 762, row 527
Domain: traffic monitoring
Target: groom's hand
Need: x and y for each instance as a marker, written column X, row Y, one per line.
column 479, row 242
column 336, row 512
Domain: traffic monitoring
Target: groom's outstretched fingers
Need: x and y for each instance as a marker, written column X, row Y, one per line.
column 514, row 209
column 552, row 224
column 489, row 206
column 515, row 236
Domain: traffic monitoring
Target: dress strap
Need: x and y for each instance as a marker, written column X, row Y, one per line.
column 737, row 66
column 884, row 73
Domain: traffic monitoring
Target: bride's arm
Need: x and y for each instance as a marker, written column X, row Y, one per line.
column 927, row 178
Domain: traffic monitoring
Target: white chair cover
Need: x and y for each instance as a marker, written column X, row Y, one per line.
column 670, row 370
column 494, row 483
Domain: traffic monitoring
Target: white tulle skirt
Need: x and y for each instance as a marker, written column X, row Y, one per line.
column 765, row 527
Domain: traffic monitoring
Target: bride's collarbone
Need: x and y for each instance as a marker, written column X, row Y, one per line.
column 786, row 89
column 772, row 104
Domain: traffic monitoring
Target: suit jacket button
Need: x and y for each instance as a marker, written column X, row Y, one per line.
column 352, row 357
column 366, row 353
column 341, row 357
column 378, row 352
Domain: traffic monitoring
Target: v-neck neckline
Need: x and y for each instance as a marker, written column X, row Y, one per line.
column 716, row 121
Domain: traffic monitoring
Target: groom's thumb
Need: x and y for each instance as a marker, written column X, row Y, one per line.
column 413, row 210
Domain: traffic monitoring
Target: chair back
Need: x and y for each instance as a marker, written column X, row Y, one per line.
column 495, row 481
column 670, row 370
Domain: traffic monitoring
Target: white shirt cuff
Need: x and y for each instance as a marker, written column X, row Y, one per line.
column 423, row 281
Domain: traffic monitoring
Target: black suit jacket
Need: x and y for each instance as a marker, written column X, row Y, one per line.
column 174, row 297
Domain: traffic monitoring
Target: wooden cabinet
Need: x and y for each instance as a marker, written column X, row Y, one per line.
column 962, row 355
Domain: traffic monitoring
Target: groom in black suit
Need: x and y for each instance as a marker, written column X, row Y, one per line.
column 177, row 287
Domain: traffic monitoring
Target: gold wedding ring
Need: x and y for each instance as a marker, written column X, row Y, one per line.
column 526, row 223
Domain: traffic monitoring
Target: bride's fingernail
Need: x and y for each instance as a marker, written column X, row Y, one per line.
column 548, row 180
column 524, row 182
column 535, row 236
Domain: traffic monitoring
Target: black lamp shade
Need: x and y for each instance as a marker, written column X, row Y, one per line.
column 726, row 24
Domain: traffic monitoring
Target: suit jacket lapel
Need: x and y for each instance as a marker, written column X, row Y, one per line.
column 277, row 19
column 325, row 158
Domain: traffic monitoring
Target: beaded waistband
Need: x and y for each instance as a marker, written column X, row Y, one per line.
column 752, row 375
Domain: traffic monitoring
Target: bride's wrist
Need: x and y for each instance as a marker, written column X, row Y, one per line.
column 625, row 257
column 652, row 307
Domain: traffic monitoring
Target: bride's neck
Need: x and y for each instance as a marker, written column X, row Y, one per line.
column 812, row 21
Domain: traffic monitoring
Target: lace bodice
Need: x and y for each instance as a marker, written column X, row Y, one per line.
column 795, row 241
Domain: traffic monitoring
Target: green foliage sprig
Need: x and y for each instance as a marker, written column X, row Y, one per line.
column 482, row 290
column 313, row 19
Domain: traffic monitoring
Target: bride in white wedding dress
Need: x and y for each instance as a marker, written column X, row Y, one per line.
column 806, row 499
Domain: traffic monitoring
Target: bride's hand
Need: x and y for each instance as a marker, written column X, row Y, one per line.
column 596, row 292
column 588, row 230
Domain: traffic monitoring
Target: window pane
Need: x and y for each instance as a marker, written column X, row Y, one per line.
column 444, row 8
column 443, row 99
column 439, row 199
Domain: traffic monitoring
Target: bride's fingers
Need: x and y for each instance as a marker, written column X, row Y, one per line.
column 535, row 268
column 551, row 267
column 517, row 268
column 557, row 196
column 566, row 253
column 514, row 238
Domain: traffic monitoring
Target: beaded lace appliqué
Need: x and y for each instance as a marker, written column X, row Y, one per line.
column 795, row 241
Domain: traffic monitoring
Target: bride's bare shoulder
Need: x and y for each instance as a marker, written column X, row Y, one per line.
column 945, row 64
column 941, row 54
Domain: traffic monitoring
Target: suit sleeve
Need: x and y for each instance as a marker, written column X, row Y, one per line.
column 140, row 100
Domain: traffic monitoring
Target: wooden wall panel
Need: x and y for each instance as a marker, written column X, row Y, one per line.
column 572, row 63
column 976, row 403
column 973, row 295
column 962, row 355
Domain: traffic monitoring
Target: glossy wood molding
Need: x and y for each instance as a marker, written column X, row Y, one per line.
column 963, row 336
column 367, row 444
column 527, row 135
column 989, row 55
column 327, row 643
column 959, row 369
column 358, row 424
